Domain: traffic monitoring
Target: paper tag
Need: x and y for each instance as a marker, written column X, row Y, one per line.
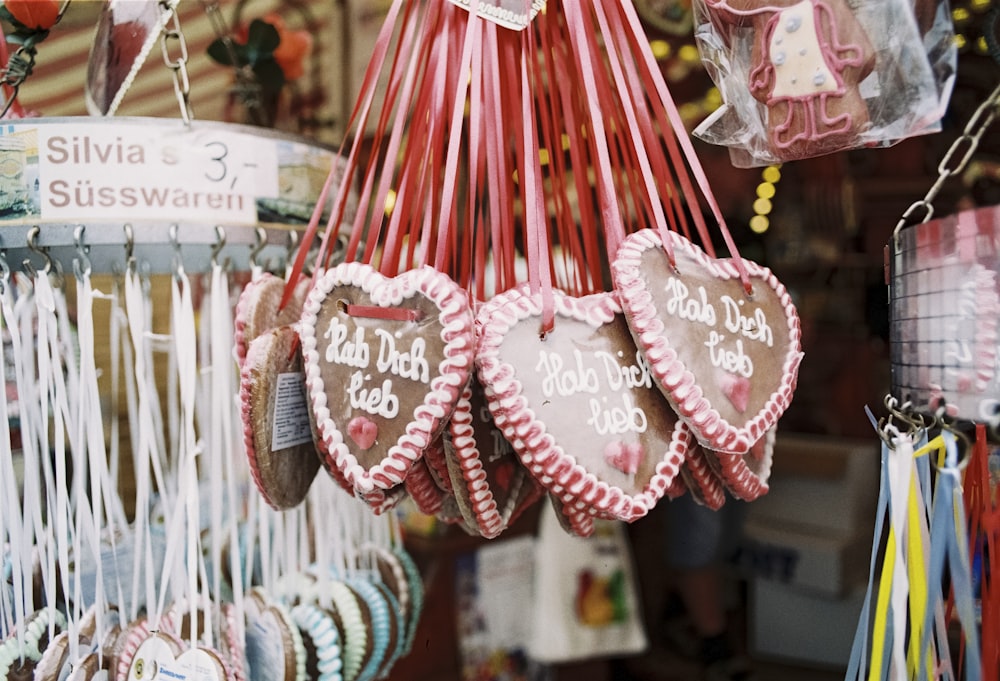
column 515, row 14
column 193, row 665
column 153, row 655
column 290, row 422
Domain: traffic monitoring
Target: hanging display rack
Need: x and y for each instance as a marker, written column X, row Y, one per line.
column 161, row 191
column 944, row 298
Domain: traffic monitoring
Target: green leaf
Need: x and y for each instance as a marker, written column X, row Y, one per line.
column 262, row 40
column 269, row 74
column 220, row 53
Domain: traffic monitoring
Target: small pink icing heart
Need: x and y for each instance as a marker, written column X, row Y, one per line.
column 736, row 389
column 624, row 457
column 363, row 431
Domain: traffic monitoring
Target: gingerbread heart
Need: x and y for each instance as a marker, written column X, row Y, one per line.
column 397, row 352
column 701, row 481
column 727, row 363
column 573, row 519
column 490, row 482
column 562, row 400
column 745, row 475
column 277, row 431
column 423, row 488
column 274, row 647
column 259, row 310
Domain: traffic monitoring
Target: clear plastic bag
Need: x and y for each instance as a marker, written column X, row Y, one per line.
column 803, row 78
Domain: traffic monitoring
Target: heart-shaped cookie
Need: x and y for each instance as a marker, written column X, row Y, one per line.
column 274, row 647
column 258, row 310
column 573, row 520
column 727, row 363
column 745, row 475
column 151, row 653
column 704, row 485
column 276, row 426
column 397, row 352
column 564, row 399
column 489, row 480
column 423, row 488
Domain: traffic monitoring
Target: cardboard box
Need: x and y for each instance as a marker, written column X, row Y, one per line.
column 821, row 484
column 824, row 563
column 790, row 624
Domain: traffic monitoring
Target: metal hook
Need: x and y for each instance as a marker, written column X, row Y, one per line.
column 178, row 260
column 81, row 263
column 129, row 241
column 947, row 424
column 260, row 241
column 40, row 250
column 4, row 269
column 904, row 412
column 220, row 243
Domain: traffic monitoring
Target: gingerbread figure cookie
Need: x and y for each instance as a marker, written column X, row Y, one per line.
column 808, row 59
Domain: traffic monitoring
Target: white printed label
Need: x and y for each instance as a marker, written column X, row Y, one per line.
column 142, row 172
column 290, row 422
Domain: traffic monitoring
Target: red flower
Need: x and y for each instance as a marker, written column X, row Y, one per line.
column 293, row 49
column 39, row 15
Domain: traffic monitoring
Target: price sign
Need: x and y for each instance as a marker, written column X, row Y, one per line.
column 144, row 171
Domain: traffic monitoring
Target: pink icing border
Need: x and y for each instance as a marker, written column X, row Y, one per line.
column 246, row 419
column 437, row 466
column 490, row 520
column 710, row 492
column 423, row 488
column 678, row 383
column 456, row 320
column 380, row 500
column 240, row 345
column 552, row 466
column 737, row 476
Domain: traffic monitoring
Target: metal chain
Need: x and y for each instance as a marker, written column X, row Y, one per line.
column 172, row 34
column 955, row 160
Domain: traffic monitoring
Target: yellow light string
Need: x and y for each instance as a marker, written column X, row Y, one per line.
column 967, row 19
column 764, row 203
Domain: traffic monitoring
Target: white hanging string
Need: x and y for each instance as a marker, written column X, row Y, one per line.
column 221, row 452
column 145, row 442
column 70, row 444
column 901, row 470
column 52, row 449
column 185, row 337
column 104, row 505
column 166, row 481
column 12, row 520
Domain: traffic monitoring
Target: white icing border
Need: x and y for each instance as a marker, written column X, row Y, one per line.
column 490, row 519
column 456, row 321
column 553, row 467
column 675, row 379
column 742, row 481
column 703, row 484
